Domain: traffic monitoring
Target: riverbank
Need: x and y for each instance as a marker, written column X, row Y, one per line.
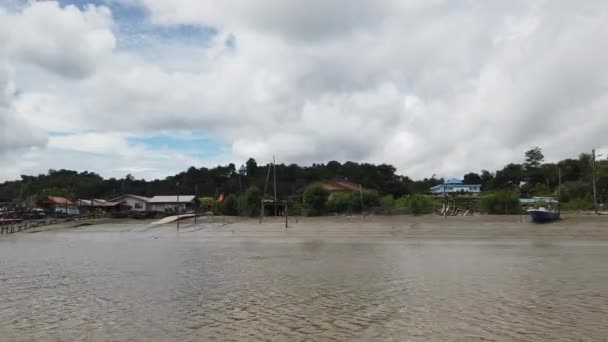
column 572, row 227
column 426, row 227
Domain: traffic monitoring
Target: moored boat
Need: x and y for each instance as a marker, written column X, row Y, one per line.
column 543, row 214
column 543, row 209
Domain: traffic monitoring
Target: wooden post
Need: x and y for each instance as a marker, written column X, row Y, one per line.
column 286, row 214
column 361, row 196
column 521, row 218
column 274, row 172
column 195, row 201
column 177, row 205
column 261, row 210
column 559, row 190
column 593, row 181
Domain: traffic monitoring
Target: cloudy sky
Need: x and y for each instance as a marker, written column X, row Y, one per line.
column 151, row 87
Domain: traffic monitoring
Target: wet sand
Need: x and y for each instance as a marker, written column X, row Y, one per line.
column 398, row 278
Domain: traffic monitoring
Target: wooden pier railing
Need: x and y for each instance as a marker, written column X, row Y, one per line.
column 14, row 226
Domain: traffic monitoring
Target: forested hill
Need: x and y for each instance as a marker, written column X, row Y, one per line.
column 534, row 176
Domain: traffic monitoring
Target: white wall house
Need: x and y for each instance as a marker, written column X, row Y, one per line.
column 455, row 185
column 137, row 203
column 161, row 204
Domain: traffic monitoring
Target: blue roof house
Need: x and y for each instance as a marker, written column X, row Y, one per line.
column 455, row 185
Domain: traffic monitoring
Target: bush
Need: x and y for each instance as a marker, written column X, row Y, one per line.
column 387, row 204
column 421, row 204
column 339, row 202
column 371, row 199
column 416, row 204
column 501, row 203
column 315, row 197
column 574, row 190
column 578, row 204
column 294, row 208
column 249, row 203
column 206, row 203
column 230, row 206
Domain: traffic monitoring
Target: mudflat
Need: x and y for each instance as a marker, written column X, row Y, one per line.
column 397, row 278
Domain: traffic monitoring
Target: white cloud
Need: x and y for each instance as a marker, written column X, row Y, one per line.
column 433, row 87
column 64, row 40
column 15, row 133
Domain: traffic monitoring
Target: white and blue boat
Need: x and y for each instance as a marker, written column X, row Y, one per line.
column 543, row 215
column 545, row 210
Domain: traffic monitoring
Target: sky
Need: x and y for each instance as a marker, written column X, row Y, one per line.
column 444, row 87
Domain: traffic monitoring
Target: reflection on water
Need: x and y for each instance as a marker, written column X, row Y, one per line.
column 140, row 286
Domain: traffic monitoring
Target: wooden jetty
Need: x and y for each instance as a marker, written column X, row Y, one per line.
column 10, row 226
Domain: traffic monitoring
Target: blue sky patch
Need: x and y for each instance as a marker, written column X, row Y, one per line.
column 195, row 146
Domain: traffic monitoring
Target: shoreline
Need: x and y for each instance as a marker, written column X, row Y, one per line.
column 397, row 227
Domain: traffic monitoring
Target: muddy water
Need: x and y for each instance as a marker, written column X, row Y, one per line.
column 149, row 286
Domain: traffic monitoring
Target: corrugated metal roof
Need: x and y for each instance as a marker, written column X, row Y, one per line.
column 339, row 185
column 96, row 203
column 55, row 200
column 171, row 199
column 141, row 198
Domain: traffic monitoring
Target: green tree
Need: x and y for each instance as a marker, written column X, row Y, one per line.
column 487, row 180
column 57, row 192
column 534, row 158
column 315, row 198
column 472, row 178
column 252, row 167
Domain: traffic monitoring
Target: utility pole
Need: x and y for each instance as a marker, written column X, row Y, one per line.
column 267, row 179
column 593, row 181
column 274, row 167
column 177, row 206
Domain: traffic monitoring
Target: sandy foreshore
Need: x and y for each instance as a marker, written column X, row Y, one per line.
column 571, row 227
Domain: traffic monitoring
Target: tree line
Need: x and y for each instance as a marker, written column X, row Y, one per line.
column 532, row 177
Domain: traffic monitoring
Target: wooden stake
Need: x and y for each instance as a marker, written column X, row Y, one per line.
column 274, row 167
column 593, row 181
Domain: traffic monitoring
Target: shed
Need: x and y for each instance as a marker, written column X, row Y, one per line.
column 171, row 204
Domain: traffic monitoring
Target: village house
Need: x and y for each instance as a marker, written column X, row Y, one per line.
column 455, row 185
column 58, row 206
column 339, row 185
column 164, row 204
column 101, row 204
column 134, row 202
